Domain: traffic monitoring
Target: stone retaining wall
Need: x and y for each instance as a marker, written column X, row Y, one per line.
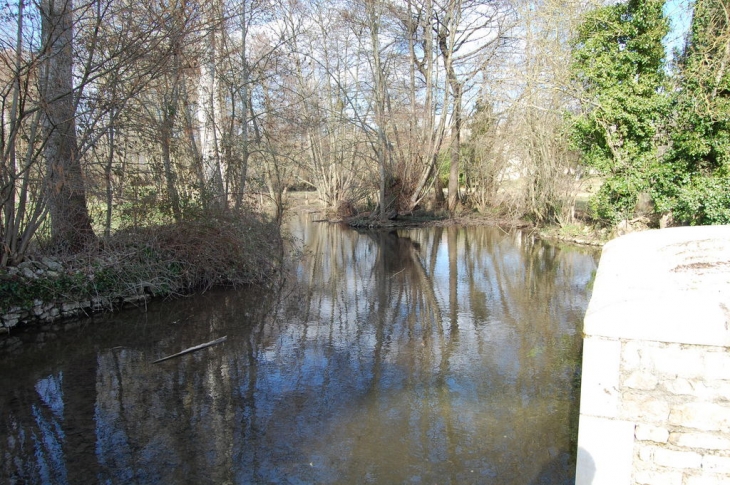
column 39, row 311
column 655, row 392
column 51, row 311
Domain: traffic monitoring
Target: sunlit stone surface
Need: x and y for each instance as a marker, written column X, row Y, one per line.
column 654, row 398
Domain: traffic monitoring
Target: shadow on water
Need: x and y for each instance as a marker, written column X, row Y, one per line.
column 439, row 355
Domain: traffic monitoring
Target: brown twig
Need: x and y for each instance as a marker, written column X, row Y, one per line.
column 193, row 349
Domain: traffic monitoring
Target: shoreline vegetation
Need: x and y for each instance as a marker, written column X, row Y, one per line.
column 579, row 232
column 137, row 264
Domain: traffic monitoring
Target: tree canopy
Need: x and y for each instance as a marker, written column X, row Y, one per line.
column 619, row 65
column 694, row 179
column 649, row 132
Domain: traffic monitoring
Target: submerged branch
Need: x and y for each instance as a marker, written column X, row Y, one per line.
column 193, row 349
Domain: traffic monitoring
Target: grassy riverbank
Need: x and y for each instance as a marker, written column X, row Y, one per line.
column 140, row 263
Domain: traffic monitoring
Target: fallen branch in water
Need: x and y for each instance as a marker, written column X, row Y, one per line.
column 193, row 349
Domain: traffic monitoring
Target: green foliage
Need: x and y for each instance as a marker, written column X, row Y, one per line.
column 141, row 204
column 68, row 286
column 617, row 197
column 618, row 61
column 705, row 201
column 693, row 180
column 14, row 291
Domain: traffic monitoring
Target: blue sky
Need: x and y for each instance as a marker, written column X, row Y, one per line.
column 680, row 16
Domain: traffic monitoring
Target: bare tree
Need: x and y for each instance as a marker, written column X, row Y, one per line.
column 425, row 125
column 208, row 109
column 549, row 167
column 22, row 185
column 324, row 88
column 469, row 34
column 70, row 223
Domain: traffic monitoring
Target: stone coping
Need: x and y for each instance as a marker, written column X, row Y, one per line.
column 651, row 284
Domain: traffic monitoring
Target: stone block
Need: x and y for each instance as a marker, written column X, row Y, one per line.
column 717, row 464
column 646, row 432
column 655, row 477
column 708, row 441
column 682, row 386
column 643, row 409
column 646, row 453
column 707, row 479
column 631, row 355
column 671, row 361
column 721, row 390
column 641, row 380
column 605, row 451
column 51, row 264
column 677, row 459
column 599, row 389
column 70, row 307
column 701, row 415
column 135, row 299
column 717, row 365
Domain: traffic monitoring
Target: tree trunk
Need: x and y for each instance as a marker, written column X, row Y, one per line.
column 170, row 176
column 447, row 31
column 245, row 109
column 108, row 166
column 454, row 164
column 208, row 119
column 70, row 222
column 381, row 146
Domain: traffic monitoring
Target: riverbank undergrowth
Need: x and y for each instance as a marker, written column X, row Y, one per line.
column 155, row 261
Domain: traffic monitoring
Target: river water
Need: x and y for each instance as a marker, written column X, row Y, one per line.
column 438, row 355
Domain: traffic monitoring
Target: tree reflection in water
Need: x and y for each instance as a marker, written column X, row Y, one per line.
column 439, row 355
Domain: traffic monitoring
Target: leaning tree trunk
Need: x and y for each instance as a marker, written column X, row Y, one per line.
column 70, row 222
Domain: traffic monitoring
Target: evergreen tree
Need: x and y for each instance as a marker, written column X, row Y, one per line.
column 694, row 180
column 618, row 60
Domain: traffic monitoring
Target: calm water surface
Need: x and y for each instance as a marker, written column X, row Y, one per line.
column 435, row 356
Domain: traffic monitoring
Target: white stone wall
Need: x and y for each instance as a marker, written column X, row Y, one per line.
column 655, row 393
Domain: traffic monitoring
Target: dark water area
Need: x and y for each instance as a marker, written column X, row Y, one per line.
column 433, row 355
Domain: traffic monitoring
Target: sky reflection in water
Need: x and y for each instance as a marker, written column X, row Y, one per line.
column 435, row 355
